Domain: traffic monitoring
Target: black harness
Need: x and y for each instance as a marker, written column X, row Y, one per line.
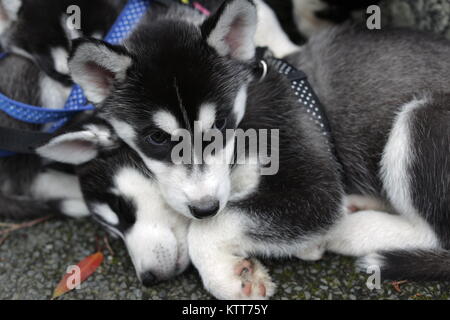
column 306, row 97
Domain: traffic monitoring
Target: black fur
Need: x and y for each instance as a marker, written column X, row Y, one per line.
column 416, row 265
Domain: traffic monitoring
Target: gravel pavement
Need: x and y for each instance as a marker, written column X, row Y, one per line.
column 33, row 260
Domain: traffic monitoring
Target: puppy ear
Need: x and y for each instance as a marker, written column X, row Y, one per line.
column 95, row 65
column 8, row 13
column 81, row 146
column 230, row 31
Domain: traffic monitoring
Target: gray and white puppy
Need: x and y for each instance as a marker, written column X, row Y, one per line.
column 387, row 98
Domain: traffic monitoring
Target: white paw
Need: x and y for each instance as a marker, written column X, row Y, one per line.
column 248, row 280
column 255, row 280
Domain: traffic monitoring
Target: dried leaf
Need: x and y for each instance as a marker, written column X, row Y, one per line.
column 396, row 285
column 86, row 267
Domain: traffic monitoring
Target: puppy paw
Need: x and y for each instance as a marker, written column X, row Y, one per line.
column 255, row 280
column 239, row 279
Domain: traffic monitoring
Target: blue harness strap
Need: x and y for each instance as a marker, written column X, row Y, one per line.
column 128, row 19
column 130, row 16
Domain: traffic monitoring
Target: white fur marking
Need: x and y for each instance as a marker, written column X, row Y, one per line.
column 53, row 94
column 56, row 185
column 75, row 208
column 105, row 212
column 166, row 121
column 397, row 157
column 157, row 238
column 240, row 104
column 60, row 56
column 207, row 116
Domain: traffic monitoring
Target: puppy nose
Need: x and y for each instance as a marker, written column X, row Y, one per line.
column 205, row 208
column 149, row 279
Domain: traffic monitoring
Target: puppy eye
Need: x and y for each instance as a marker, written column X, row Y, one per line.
column 158, row 138
column 220, row 124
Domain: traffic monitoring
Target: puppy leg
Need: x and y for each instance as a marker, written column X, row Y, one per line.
column 365, row 232
column 55, row 185
column 218, row 250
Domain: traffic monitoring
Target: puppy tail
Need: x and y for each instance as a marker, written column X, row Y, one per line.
column 23, row 208
column 415, row 265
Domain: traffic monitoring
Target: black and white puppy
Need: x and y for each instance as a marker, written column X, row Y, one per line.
column 388, row 104
column 38, row 29
column 178, row 69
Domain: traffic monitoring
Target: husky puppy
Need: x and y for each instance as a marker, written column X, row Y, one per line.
column 176, row 70
column 37, row 29
column 114, row 186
